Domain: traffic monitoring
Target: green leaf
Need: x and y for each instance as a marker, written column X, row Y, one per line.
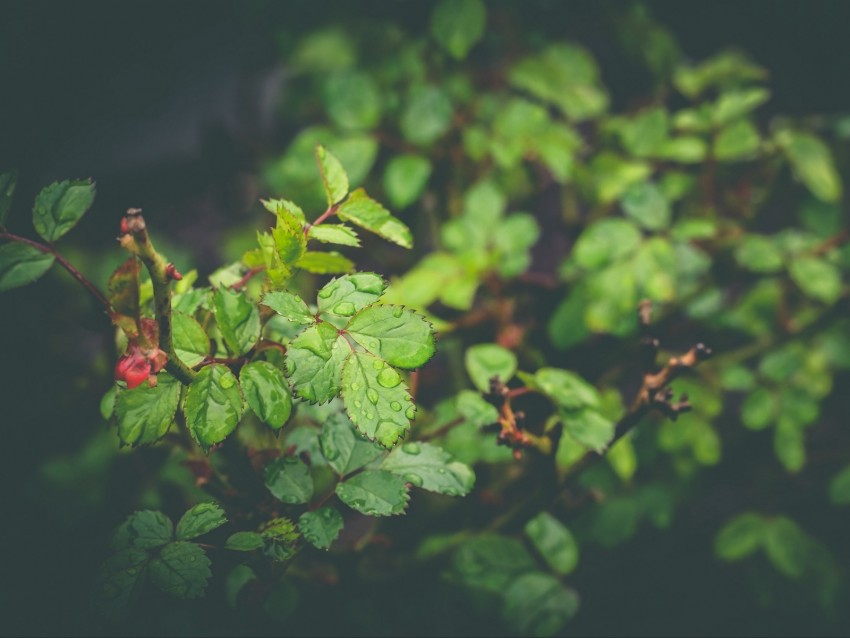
column 107, row 403
column 181, row 570
column 567, row 389
column 839, row 487
column 191, row 343
column 554, row 542
column 362, row 210
column 329, row 263
column 487, row 360
column 345, row 449
column 213, row 405
column 267, row 392
column 817, row 278
column 644, row 135
column 427, row 115
column 344, row 296
column 645, row 203
column 237, row 579
column 491, row 563
column 60, row 206
column 334, row 234
column 244, row 542
column 289, row 480
column 405, row 178
column 289, row 306
column 147, row 529
column 21, row 264
column 321, row 527
column 759, row 254
column 737, row 141
column 281, row 535
column 398, row 335
column 588, row 427
column 428, row 466
column 733, row 104
column 8, row 181
column 606, row 241
column 786, row 546
column 537, row 604
column 740, row 537
column 566, row 76
column 374, row 493
column 353, row 101
column 333, row 175
column 789, row 445
column 376, row 399
column 759, row 409
column 813, row 164
column 458, row 24
column 199, row 520
column 314, row 363
column 145, row 414
column 238, row 319
column 118, row 582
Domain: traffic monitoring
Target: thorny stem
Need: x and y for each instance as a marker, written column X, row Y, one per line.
column 137, row 241
column 76, row 274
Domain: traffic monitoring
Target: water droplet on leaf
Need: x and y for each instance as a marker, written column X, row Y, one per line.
column 413, row 479
column 344, row 308
column 395, row 405
column 372, row 395
column 412, row 448
column 398, row 311
column 388, row 377
column 227, row 381
column 410, row 413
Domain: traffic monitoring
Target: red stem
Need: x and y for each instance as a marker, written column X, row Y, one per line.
column 76, row 274
column 321, row 218
column 239, row 285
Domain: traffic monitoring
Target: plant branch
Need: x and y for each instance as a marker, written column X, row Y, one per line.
column 76, row 274
column 136, row 240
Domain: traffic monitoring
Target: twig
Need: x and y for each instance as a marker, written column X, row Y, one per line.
column 76, row 274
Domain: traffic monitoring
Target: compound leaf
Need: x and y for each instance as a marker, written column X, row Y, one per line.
column 191, row 343
column 182, row 570
column 487, row 360
column 376, row 399
column 289, row 480
column 362, row 210
column 199, row 520
column 400, row 336
column 430, row 467
column 321, row 527
column 238, row 319
column 374, row 493
column 267, row 392
column 314, row 362
column 213, row 405
column 289, row 306
column 145, row 413
column 21, row 264
column 344, row 449
column 334, row 178
column 60, row 206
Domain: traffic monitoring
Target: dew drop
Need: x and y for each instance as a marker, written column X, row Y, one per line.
column 395, row 405
column 413, row 479
column 398, row 311
column 372, row 395
column 355, row 386
column 344, row 308
column 412, row 448
column 227, row 381
column 388, row 377
column 410, row 413
column 377, row 364
column 326, row 292
column 369, row 415
column 357, row 403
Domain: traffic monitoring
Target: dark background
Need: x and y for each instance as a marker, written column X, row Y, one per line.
column 171, row 107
